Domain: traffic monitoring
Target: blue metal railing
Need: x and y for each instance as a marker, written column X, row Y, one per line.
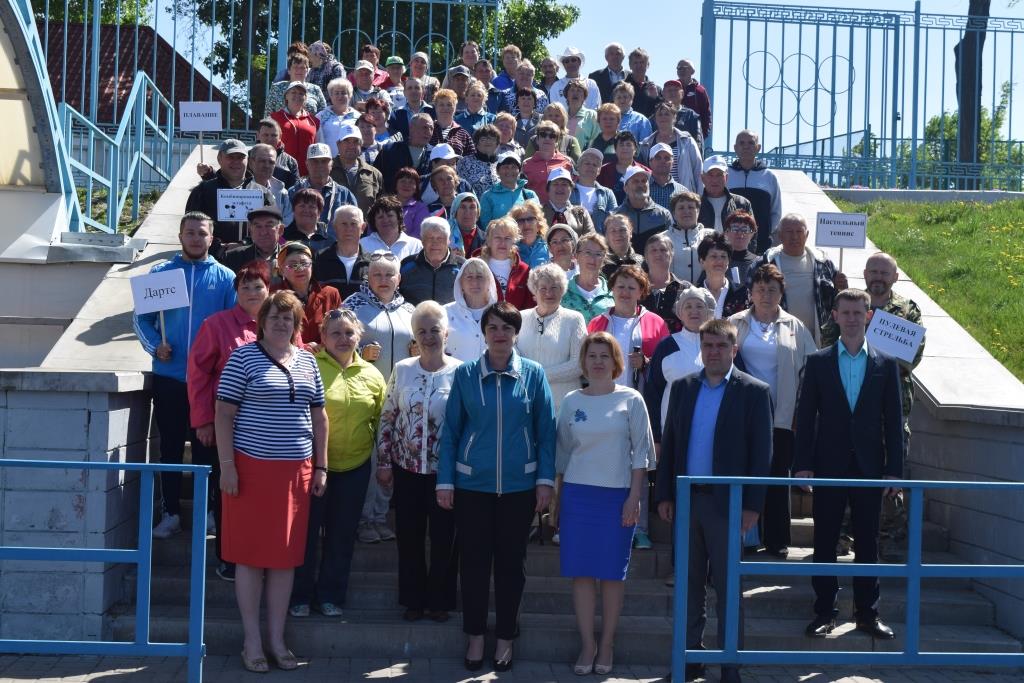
column 141, row 556
column 913, row 571
column 143, row 140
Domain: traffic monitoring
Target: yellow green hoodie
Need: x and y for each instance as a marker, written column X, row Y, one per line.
column 354, row 398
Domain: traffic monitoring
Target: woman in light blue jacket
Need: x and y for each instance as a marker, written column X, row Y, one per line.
column 496, row 468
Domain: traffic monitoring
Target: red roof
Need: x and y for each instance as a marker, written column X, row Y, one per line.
column 117, row 44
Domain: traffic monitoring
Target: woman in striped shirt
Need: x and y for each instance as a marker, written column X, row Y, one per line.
column 269, row 423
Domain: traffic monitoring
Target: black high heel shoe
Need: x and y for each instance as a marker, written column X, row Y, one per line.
column 473, row 664
column 505, row 663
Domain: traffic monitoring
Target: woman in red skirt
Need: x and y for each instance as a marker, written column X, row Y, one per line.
column 270, row 422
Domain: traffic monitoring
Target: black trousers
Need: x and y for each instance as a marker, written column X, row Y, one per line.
column 421, row 585
column 777, row 507
column 337, row 513
column 493, row 532
column 709, row 552
column 828, row 507
column 171, row 412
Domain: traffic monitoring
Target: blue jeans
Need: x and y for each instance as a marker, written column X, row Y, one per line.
column 337, row 513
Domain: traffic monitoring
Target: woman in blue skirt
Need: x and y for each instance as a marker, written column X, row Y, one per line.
column 604, row 447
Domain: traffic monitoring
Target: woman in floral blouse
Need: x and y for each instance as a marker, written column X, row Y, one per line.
column 407, row 445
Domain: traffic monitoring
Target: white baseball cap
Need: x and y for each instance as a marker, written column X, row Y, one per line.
column 319, row 150
column 660, row 147
column 443, row 151
column 632, row 171
column 349, row 131
column 714, row 162
column 559, row 174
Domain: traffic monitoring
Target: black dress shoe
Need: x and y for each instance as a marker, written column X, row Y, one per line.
column 693, row 672
column 731, row 675
column 876, row 629
column 502, row 665
column 473, row 664
column 820, row 627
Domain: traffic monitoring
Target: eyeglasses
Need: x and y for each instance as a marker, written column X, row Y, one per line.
column 549, row 136
column 559, row 241
column 382, row 254
column 740, row 229
column 540, row 325
column 299, row 265
column 592, row 254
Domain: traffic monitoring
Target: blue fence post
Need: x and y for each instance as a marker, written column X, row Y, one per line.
column 894, row 144
column 915, row 523
column 196, row 616
column 707, row 58
column 732, row 579
column 912, row 184
column 143, row 568
column 284, row 34
column 681, row 520
column 94, row 67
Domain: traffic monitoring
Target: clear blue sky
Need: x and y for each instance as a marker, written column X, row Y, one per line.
column 670, row 31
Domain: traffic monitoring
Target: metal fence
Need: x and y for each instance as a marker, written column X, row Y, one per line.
column 914, row 570
column 141, row 556
column 876, row 93
column 231, row 51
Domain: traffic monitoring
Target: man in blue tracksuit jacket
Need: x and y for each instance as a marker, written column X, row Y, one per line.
column 210, row 290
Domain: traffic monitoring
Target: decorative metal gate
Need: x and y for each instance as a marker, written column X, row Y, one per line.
column 857, row 97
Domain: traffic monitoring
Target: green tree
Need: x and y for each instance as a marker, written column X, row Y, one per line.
column 246, row 50
column 1000, row 159
column 81, row 10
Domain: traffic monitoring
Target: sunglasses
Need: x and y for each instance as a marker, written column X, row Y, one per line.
column 301, row 265
column 386, row 255
column 740, row 229
column 549, row 136
column 338, row 313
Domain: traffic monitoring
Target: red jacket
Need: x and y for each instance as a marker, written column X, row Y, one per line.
column 298, row 132
column 652, row 329
column 696, row 98
column 218, row 336
column 321, row 299
column 517, row 293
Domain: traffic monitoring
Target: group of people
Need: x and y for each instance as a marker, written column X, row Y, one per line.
column 476, row 326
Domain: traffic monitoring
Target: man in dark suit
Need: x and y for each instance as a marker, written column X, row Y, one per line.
column 719, row 423
column 849, row 425
column 613, row 74
column 414, row 152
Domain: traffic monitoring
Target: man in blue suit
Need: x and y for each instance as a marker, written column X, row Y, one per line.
column 849, row 425
column 719, row 423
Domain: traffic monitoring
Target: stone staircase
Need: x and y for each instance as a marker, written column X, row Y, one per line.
column 953, row 616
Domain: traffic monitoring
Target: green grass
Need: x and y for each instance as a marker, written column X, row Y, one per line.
column 968, row 257
column 98, row 210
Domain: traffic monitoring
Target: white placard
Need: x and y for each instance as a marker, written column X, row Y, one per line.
column 843, row 230
column 894, row 336
column 159, row 291
column 235, row 205
column 200, row 116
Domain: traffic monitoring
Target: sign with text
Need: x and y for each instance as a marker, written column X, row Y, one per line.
column 204, row 117
column 895, row 336
column 235, row 205
column 843, row 230
column 159, row 291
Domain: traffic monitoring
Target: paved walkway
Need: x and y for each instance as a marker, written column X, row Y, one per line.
column 221, row 669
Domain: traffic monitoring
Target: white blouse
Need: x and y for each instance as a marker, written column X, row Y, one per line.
column 686, row 361
column 602, row 439
column 556, row 348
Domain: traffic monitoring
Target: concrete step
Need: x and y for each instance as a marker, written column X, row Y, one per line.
column 933, row 538
column 764, row 597
column 545, row 637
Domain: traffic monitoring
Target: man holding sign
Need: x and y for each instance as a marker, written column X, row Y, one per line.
column 167, row 335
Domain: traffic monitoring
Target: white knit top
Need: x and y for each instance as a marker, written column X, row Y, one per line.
column 557, row 348
column 602, row 439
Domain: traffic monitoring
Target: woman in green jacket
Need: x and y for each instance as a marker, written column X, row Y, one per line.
column 354, row 393
column 587, row 292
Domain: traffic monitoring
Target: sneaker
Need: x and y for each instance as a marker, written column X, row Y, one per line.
column 226, row 571
column 555, row 539
column 367, row 534
column 211, row 524
column 299, row 611
column 329, row 609
column 384, row 531
column 169, row 526
column 641, row 541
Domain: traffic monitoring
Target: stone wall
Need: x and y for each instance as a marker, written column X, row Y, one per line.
column 967, row 444
column 84, row 416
